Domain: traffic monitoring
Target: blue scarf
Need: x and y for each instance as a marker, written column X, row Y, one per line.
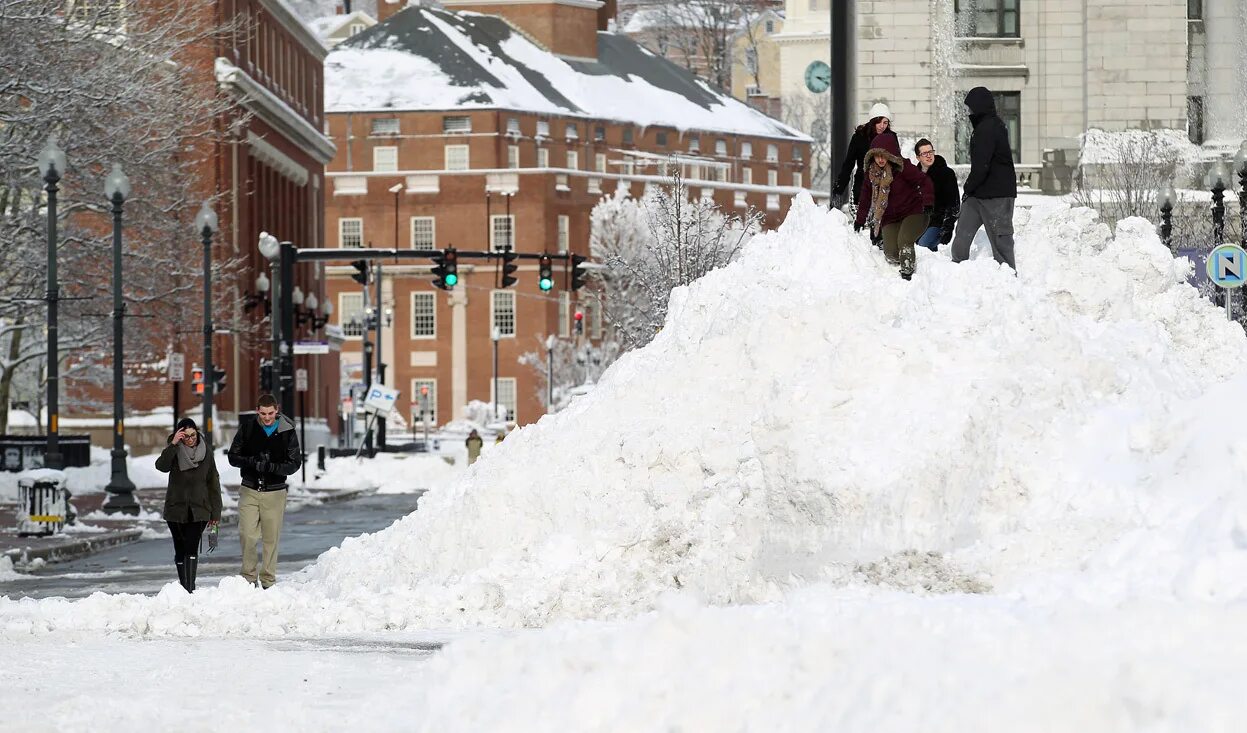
column 270, row 429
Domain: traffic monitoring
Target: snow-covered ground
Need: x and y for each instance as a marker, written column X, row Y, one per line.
column 822, row 499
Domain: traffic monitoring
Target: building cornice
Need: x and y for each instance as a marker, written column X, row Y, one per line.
column 588, row 4
column 277, row 160
column 255, row 97
column 290, row 21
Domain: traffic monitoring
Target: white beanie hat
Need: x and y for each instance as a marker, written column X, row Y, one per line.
column 880, row 110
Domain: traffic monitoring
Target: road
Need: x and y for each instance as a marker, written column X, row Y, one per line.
column 145, row 566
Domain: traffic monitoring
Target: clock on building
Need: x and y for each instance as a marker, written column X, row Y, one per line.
column 818, row 77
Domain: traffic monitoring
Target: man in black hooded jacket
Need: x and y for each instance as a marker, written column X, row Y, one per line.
column 991, row 188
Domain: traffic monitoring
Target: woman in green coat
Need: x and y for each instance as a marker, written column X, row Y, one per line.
column 193, row 500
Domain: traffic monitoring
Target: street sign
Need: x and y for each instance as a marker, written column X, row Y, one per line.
column 177, row 367
column 300, row 380
column 1227, row 266
column 311, row 347
column 380, row 399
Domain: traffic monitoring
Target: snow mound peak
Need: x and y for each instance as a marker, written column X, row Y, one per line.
column 806, row 415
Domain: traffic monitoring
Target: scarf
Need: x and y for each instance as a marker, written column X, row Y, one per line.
column 880, row 185
column 190, row 458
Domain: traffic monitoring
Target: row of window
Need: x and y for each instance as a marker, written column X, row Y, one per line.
column 270, row 54
column 424, row 399
column 501, row 314
column 987, row 18
column 458, row 158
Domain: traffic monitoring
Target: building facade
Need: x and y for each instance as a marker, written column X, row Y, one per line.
column 525, row 169
column 756, row 76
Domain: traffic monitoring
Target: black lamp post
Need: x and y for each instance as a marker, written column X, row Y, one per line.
column 51, row 166
column 120, row 488
column 1240, row 164
column 1218, row 180
column 206, row 225
column 1165, row 198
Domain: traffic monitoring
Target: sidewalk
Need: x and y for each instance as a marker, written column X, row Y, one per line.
column 94, row 534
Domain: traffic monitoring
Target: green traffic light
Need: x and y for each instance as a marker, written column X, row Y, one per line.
column 451, row 279
column 545, row 283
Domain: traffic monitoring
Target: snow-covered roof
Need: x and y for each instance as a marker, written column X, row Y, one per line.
column 429, row 59
column 331, row 24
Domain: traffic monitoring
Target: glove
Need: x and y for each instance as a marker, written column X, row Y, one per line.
column 839, row 190
column 946, row 236
column 858, row 227
column 213, row 536
column 262, row 465
column 928, row 211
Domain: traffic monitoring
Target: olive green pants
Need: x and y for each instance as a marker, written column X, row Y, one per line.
column 899, row 238
column 260, row 515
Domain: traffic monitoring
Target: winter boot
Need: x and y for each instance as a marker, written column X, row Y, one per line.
column 907, row 275
column 181, row 572
column 192, row 566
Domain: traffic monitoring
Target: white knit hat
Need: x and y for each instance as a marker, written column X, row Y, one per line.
column 880, row 110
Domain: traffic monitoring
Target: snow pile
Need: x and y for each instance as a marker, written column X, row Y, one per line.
column 968, row 432
column 389, row 473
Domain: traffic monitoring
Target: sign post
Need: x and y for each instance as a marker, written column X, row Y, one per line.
column 176, row 373
column 300, row 385
column 1227, row 268
column 379, row 401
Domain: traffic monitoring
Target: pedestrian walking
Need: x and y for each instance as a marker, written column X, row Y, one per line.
column 266, row 450
column 193, row 498
column 991, row 189
column 897, row 200
column 879, row 123
column 947, row 196
column 474, row 444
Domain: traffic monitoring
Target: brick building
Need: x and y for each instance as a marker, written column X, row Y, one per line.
column 474, row 130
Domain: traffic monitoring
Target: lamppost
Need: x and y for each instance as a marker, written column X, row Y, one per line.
column 270, row 249
column 206, row 225
column 260, row 296
column 1218, row 180
column 51, row 166
column 497, row 335
column 1165, row 198
column 120, row 488
column 1240, row 164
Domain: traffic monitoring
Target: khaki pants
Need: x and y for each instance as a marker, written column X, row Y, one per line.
column 899, row 238
column 260, row 515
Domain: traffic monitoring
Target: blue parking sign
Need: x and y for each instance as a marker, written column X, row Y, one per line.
column 1227, row 266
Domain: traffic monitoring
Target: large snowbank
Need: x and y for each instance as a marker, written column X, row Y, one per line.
column 1033, row 434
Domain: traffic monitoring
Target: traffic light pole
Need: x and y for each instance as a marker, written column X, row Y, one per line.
column 841, row 40
column 378, row 315
column 285, row 383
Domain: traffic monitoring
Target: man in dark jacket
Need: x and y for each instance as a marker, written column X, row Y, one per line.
column 991, row 188
column 947, row 196
column 266, row 449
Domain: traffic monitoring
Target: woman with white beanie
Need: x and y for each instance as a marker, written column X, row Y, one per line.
column 879, row 123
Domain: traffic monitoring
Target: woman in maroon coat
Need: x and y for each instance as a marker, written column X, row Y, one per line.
column 896, row 201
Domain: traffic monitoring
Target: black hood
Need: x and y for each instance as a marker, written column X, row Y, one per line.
column 980, row 101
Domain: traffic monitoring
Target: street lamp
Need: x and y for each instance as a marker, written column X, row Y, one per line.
column 260, row 296
column 296, row 295
column 206, row 225
column 120, row 488
column 270, row 249
column 1165, row 199
column 1218, row 179
column 51, row 167
column 1240, row 164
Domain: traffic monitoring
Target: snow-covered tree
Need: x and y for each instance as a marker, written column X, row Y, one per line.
column 112, row 81
column 577, row 366
column 652, row 246
column 811, row 113
column 1120, row 172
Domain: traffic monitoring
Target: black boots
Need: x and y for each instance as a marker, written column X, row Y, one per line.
column 181, row 572
column 192, row 567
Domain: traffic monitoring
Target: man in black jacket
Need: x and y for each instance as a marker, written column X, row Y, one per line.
column 991, row 188
column 947, row 196
column 266, row 449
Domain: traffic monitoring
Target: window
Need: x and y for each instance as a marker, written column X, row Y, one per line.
column 573, row 159
column 385, row 126
column 599, row 133
column 1009, row 109
column 351, row 314
column 423, row 184
column 543, row 157
column 770, row 27
column 1194, row 9
column 513, row 126
column 694, row 144
column 422, row 232
column 423, row 315
column 457, row 158
column 599, row 162
column 707, row 194
column 987, row 18
column 354, row 28
column 350, row 233
column 720, row 147
column 513, row 156
column 797, row 180
column 627, row 136
column 502, row 312
column 772, row 178
column 594, row 185
column 746, row 175
column 560, row 183
column 751, row 60
column 594, row 309
column 424, row 407
column 506, row 395
column 796, row 153
column 1195, row 119
column 501, row 231
column 565, row 305
column 385, row 158
column 772, row 153
column 746, row 150
column 564, row 232
column 543, row 128
column 740, row 200
column 350, row 185
column 660, row 138
column 572, row 132
column 772, row 202
column 456, row 124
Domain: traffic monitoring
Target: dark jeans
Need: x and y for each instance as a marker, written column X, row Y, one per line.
column 931, row 239
column 186, row 539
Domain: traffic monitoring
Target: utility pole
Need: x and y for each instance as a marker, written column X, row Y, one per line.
column 842, row 57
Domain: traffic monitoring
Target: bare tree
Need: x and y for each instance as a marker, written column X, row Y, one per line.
column 652, row 246
column 115, row 82
column 811, row 113
column 576, row 367
column 1119, row 173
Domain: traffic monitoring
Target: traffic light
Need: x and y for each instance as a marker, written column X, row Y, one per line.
column 545, row 274
column 218, row 379
column 579, row 274
column 197, row 380
column 509, row 256
column 446, row 268
column 361, row 271
column 580, row 322
column 266, row 376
